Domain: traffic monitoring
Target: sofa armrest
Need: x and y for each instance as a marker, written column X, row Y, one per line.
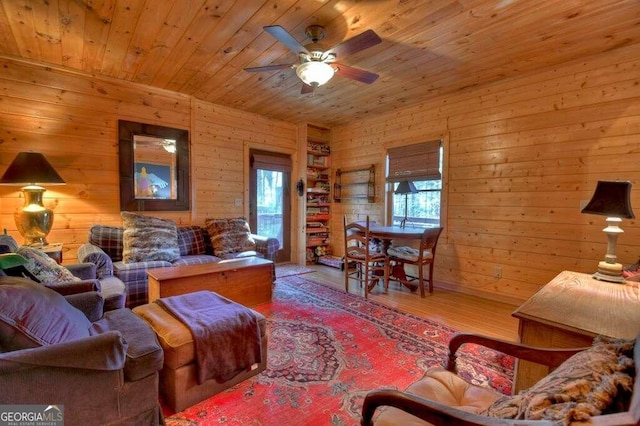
column 66, row 288
column 91, row 304
column 88, row 253
column 267, row 246
column 106, row 352
column 84, row 271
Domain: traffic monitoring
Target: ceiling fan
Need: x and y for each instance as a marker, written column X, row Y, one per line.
column 318, row 64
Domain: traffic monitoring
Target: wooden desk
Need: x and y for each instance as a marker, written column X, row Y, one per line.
column 569, row 312
column 247, row 281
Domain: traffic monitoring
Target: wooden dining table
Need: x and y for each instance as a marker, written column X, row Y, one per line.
column 388, row 233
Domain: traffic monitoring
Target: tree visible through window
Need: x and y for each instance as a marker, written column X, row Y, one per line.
column 423, row 207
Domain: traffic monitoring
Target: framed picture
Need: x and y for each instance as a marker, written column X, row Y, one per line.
column 154, row 181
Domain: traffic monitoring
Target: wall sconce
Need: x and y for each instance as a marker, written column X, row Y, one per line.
column 34, row 220
column 611, row 199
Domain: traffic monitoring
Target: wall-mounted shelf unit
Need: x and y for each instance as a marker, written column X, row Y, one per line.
column 318, row 193
column 355, row 184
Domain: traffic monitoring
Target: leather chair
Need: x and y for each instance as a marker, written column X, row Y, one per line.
column 598, row 384
column 370, row 265
column 424, row 255
column 103, row 369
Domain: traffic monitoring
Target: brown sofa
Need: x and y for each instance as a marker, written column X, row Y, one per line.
column 103, row 369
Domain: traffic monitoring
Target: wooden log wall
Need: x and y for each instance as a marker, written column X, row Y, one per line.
column 72, row 118
column 520, row 158
column 222, row 138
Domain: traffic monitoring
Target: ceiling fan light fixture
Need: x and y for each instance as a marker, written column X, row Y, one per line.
column 315, row 73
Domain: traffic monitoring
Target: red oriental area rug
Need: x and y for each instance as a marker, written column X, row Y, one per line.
column 327, row 349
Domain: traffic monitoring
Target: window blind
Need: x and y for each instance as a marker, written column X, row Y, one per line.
column 271, row 161
column 420, row 161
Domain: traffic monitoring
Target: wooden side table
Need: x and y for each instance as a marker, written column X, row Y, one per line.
column 569, row 312
column 54, row 251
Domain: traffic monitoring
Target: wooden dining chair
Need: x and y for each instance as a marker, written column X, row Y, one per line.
column 422, row 256
column 370, row 265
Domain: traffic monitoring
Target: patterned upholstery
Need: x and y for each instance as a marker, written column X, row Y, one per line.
column 585, row 385
column 104, row 249
column 408, row 253
column 191, row 241
column 44, row 268
column 94, row 254
column 109, row 238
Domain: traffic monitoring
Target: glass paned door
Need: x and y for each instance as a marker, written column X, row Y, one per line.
column 270, row 203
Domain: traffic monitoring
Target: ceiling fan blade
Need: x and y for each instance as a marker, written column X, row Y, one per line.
column 355, row 73
column 306, row 89
column 285, row 38
column 355, row 44
column 268, row 68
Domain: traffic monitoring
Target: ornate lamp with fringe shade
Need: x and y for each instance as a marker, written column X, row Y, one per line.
column 613, row 200
column 32, row 169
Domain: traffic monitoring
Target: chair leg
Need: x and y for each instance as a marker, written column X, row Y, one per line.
column 431, row 277
column 346, row 277
column 387, row 267
column 421, row 280
column 365, row 280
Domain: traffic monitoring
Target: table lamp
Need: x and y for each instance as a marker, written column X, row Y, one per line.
column 405, row 187
column 613, row 200
column 34, row 220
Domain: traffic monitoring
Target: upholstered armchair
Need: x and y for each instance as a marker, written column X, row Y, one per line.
column 594, row 385
column 65, row 279
column 55, row 350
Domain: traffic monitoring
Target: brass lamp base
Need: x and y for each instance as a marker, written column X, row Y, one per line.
column 34, row 220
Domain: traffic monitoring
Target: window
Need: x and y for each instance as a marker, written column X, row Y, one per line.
column 420, row 164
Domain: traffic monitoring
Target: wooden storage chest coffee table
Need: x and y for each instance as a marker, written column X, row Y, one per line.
column 247, row 281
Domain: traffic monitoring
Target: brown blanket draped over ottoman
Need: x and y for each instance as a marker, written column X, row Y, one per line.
column 227, row 339
column 226, row 334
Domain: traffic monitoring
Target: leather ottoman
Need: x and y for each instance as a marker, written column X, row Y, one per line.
column 178, row 377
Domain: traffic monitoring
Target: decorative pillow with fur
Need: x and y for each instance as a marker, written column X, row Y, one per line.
column 32, row 315
column 232, row 235
column 149, row 238
column 587, row 384
column 44, row 268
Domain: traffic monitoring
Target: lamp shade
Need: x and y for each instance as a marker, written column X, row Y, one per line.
column 315, row 73
column 406, row 187
column 30, row 168
column 611, row 199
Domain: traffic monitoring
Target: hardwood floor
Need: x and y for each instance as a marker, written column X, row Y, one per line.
column 460, row 311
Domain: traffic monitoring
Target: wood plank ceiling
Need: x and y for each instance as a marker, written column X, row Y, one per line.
column 200, row 47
